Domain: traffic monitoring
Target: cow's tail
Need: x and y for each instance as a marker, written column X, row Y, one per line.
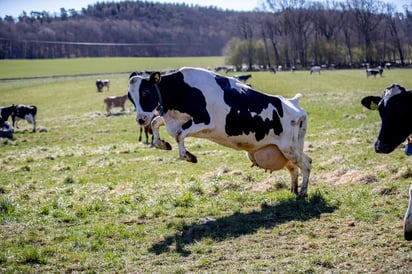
column 295, row 100
column 34, row 110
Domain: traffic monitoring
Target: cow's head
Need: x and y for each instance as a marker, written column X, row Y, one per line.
column 143, row 94
column 395, row 111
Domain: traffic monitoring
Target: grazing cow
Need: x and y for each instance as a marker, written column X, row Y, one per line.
column 115, row 101
column 6, row 130
column 243, row 78
column 374, row 72
column 102, row 83
column 6, row 112
column 148, row 130
column 199, row 103
column 20, row 112
column 315, row 69
column 395, row 111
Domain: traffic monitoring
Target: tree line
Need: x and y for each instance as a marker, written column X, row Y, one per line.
column 128, row 28
column 282, row 32
column 296, row 33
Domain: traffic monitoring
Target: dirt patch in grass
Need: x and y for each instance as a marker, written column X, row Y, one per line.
column 344, row 176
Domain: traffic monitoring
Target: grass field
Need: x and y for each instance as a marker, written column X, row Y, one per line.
column 85, row 196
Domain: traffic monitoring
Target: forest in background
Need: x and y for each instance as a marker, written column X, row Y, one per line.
column 282, row 32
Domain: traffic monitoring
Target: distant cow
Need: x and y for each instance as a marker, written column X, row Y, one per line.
column 148, row 130
column 198, row 103
column 243, row 78
column 20, row 112
column 374, row 72
column 6, row 130
column 102, row 83
column 315, row 69
column 115, row 101
column 395, row 111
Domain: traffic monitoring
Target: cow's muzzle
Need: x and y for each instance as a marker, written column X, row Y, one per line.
column 383, row 148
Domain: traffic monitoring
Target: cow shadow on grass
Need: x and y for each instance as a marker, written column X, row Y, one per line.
column 240, row 224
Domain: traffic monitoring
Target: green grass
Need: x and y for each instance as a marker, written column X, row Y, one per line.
column 10, row 69
column 86, row 196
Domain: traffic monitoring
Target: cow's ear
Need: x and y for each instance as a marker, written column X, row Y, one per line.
column 133, row 74
column 154, row 78
column 371, row 102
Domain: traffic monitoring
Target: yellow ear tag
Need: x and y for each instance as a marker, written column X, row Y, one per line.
column 374, row 106
column 157, row 78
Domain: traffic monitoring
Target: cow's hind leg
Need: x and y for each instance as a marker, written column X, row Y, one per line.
column 32, row 120
column 157, row 142
column 408, row 218
column 294, row 173
column 305, row 165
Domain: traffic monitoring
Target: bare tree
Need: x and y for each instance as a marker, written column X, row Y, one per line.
column 367, row 21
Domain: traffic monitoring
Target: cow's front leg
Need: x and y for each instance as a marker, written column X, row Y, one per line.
column 157, row 142
column 183, row 153
column 408, row 218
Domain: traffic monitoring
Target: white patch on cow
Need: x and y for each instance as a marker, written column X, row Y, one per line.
column 390, row 92
column 142, row 118
column 29, row 118
column 174, row 121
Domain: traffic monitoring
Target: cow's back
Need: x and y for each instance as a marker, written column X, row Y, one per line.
column 241, row 117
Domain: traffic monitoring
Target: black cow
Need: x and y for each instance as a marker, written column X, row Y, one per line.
column 395, row 110
column 243, row 78
column 6, row 112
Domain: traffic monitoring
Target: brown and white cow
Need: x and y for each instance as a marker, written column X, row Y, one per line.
column 115, row 101
column 395, row 110
column 195, row 102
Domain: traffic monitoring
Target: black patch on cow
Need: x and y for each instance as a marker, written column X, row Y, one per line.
column 176, row 95
column 188, row 124
column 245, row 107
column 132, row 74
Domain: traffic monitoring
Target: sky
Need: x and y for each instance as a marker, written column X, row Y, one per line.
column 16, row 7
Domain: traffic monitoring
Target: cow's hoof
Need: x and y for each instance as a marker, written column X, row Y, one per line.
column 163, row 145
column 190, row 157
column 408, row 235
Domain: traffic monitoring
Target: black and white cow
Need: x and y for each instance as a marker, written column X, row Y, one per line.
column 6, row 130
column 27, row 113
column 315, row 69
column 102, row 83
column 199, row 103
column 395, row 111
column 20, row 112
column 374, row 72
